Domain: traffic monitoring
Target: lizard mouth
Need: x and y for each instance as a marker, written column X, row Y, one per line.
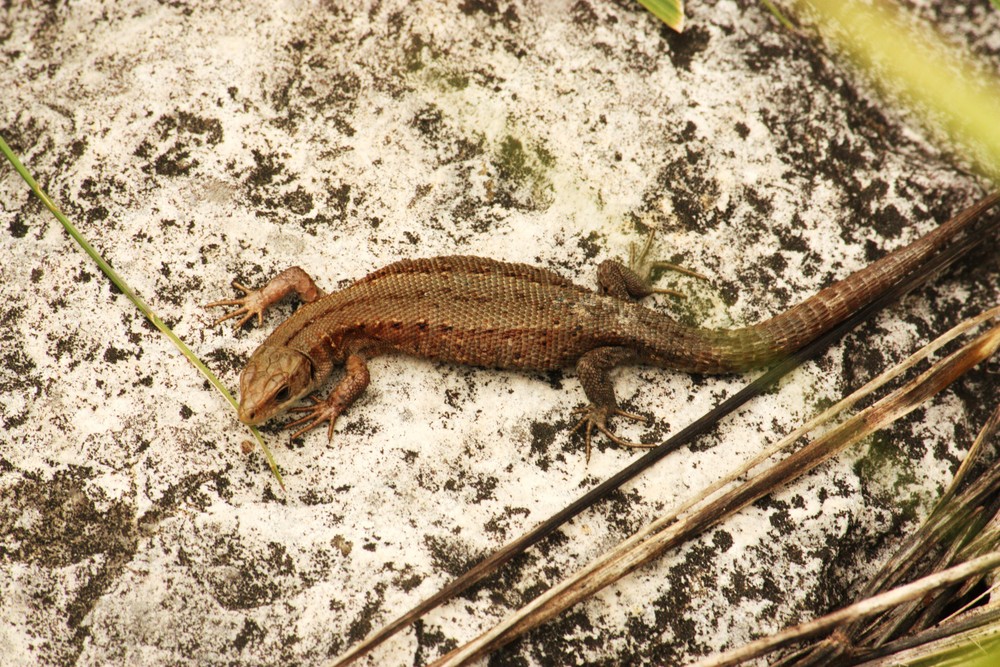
column 250, row 415
column 257, row 412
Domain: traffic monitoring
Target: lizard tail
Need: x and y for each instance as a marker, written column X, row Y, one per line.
column 721, row 351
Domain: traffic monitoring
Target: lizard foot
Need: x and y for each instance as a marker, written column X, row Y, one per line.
column 316, row 414
column 254, row 302
column 637, row 262
column 595, row 417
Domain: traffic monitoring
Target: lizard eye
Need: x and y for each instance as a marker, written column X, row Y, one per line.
column 282, row 394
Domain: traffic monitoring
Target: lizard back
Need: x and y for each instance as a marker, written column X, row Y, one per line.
column 464, row 309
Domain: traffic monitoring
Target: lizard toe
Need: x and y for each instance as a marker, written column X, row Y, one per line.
column 314, row 415
column 595, row 418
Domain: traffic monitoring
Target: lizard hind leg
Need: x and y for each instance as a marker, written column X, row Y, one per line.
column 593, row 368
column 633, row 282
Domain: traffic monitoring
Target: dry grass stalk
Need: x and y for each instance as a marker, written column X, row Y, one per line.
column 953, row 533
column 813, row 423
column 637, row 551
column 859, row 610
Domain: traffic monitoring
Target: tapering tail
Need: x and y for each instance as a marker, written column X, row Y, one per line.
column 721, row 351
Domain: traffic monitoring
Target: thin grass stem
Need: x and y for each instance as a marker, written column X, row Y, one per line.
column 120, row 283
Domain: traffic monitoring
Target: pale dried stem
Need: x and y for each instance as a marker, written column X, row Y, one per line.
column 636, row 552
column 868, row 607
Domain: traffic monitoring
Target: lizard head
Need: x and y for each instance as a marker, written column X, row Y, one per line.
column 274, row 378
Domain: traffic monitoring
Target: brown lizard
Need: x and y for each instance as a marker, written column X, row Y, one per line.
column 483, row 312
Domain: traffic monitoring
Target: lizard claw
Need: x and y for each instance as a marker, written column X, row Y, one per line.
column 315, row 414
column 252, row 303
column 596, row 417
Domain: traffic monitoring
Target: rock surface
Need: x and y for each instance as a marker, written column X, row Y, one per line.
column 193, row 143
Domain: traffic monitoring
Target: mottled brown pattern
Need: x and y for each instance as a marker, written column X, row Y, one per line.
column 478, row 311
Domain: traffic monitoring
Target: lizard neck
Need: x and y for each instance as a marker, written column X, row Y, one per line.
column 324, row 345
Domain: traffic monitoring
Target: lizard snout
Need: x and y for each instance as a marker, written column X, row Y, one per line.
column 246, row 416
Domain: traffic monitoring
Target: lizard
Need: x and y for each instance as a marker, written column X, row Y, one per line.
column 488, row 313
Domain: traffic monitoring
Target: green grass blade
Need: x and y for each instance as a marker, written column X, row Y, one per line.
column 670, row 12
column 133, row 297
column 777, row 13
column 925, row 69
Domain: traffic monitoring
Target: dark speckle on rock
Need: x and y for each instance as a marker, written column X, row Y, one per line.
column 55, row 523
column 685, row 47
column 251, row 633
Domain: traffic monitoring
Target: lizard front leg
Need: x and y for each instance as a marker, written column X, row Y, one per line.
column 352, row 385
column 255, row 302
column 593, row 368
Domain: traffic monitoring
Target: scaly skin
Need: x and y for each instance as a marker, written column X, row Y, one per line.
column 482, row 312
